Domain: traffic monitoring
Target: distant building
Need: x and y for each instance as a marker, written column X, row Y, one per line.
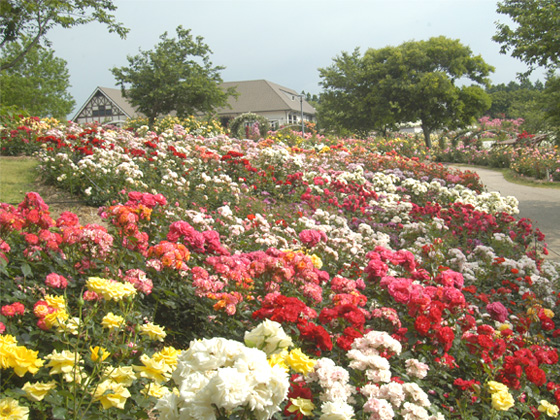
column 106, row 105
column 282, row 106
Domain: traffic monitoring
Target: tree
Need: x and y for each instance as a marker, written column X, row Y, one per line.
column 32, row 19
column 351, row 100
column 536, row 38
column 551, row 104
column 416, row 81
column 176, row 75
column 38, row 83
column 521, row 99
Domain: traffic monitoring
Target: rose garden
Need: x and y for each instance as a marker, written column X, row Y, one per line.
column 283, row 276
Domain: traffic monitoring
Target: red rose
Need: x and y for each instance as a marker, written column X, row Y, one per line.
column 446, row 336
column 422, row 325
column 547, row 324
column 536, row 375
column 316, row 334
column 345, row 341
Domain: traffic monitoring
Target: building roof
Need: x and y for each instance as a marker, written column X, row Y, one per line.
column 263, row 96
column 254, row 96
column 115, row 96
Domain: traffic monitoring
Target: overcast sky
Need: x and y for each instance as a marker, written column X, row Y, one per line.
column 283, row 41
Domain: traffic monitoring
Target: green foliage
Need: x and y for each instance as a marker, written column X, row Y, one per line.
column 38, row 83
column 30, row 20
column 551, row 105
column 176, row 75
column 535, row 39
column 412, row 82
column 238, row 125
column 352, row 100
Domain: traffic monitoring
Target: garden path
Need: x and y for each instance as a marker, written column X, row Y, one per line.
column 541, row 205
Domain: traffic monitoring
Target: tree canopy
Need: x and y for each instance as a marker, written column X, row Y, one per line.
column 30, row 20
column 535, row 38
column 176, row 75
column 415, row 81
column 38, row 84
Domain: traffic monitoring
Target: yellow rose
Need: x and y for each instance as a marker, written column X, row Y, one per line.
column 279, row 359
column 494, row 386
column 38, row 390
column 10, row 409
column 152, row 369
column 551, row 410
column 303, row 405
column 502, row 400
column 505, row 326
column 110, row 289
column 123, row 375
column 167, row 355
column 549, row 313
column 71, row 325
column 56, row 302
column 155, row 390
column 299, row 361
column 24, row 360
column 111, row 394
column 317, row 262
column 7, row 345
column 62, row 362
column 155, row 332
column 112, row 321
column 56, row 318
column 95, row 353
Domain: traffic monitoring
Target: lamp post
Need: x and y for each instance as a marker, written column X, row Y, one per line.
column 301, row 110
column 300, row 96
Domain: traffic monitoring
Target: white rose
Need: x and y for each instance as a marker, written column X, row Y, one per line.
column 269, row 337
column 167, row 406
column 336, row 410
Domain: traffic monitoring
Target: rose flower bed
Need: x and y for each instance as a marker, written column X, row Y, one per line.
column 307, row 277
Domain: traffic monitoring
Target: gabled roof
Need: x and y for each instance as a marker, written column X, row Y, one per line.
column 254, row 96
column 262, row 96
column 116, row 97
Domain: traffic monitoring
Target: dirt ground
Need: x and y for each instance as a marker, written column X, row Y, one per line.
column 60, row 201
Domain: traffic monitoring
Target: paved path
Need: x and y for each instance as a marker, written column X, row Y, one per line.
column 541, row 205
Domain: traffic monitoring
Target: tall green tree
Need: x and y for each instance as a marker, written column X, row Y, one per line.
column 351, row 100
column 535, row 37
column 176, row 75
column 38, row 83
column 551, row 104
column 415, row 81
column 30, row 20
column 519, row 99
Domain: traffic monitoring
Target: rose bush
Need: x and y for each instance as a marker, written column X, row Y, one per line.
column 482, row 146
column 383, row 286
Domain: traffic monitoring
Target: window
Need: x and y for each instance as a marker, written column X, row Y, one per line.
column 101, row 111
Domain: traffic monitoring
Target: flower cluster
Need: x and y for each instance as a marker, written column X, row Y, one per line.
column 375, row 279
column 216, row 377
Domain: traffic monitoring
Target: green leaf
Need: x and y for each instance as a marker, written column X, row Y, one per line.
column 26, row 270
column 59, row 413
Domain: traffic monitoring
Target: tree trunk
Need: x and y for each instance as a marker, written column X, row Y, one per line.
column 427, row 133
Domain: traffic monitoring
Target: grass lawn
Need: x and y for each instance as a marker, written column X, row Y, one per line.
column 17, row 177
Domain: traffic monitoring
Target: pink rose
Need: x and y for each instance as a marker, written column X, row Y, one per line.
column 497, row 311
column 56, row 281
